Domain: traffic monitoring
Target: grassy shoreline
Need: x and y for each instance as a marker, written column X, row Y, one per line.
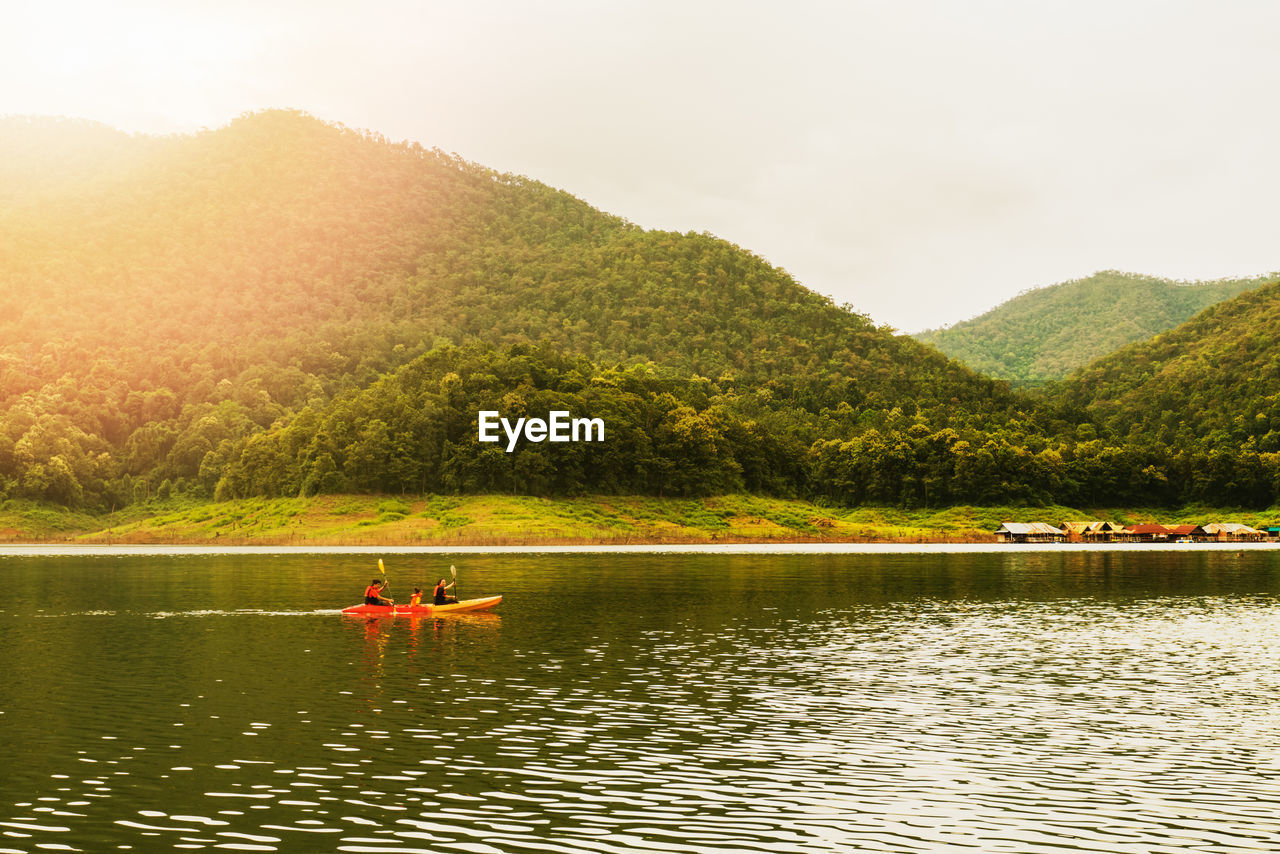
column 503, row 520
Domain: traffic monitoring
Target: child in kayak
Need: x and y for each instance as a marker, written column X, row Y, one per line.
column 373, row 594
column 441, row 596
column 416, row 599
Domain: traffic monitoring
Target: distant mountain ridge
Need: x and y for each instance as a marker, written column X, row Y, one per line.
column 1046, row 333
column 1213, row 382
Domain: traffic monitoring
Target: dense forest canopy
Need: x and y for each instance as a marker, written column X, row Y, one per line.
column 287, row 306
column 1212, row 383
column 1044, row 334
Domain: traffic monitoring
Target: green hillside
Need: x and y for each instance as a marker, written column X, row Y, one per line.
column 287, row 307
column 1046, row 333
column 1213, row 382
column 172, row 307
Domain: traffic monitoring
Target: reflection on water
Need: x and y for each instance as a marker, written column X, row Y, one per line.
column 648, row 703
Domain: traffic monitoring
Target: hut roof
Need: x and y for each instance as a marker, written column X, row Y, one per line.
column 1148, row 528
column 1229, row 528
column 1028, row 528
column 1094, row 527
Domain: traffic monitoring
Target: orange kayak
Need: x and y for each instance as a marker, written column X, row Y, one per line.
column 423, row 610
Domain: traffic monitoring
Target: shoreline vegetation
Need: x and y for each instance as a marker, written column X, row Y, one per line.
column 503, row 520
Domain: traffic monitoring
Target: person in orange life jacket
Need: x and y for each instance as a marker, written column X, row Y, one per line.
column 416, row 599
column 373, row 594
column 442, row 596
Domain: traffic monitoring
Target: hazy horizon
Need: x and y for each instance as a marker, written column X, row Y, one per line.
column 923, row 162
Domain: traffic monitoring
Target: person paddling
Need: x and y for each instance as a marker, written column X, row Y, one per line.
column 373, row 594
column 442, row 596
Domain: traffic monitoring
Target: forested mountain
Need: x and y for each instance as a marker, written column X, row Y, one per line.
column 1046, row 333
column 286, row 306
column 42, row 157
column 1211, row 383
column 165, row 300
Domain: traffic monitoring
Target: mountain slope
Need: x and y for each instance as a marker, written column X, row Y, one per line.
column 1046, row 333
column 1211, row 383
column 199, row 291
column 282, row 235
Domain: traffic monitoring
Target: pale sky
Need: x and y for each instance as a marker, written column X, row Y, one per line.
column 922, row 161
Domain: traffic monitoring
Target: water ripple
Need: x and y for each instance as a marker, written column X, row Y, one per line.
column 932, row 723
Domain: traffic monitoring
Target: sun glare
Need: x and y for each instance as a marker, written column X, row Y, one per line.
column 154, row 70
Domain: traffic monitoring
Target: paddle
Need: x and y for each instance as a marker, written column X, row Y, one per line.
column 453, row 570
column 383, row 570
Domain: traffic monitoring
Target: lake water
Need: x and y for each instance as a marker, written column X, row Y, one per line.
column 1015, row 700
